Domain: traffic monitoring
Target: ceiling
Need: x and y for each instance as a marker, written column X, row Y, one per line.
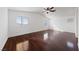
column 59, row 10
column 27, row 9
column 65, row 11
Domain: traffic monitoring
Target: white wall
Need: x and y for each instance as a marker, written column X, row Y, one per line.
column 78, row 22
column 3, row 26
column 63, row 19
column 62, row 24
column 78, row 27
column 36, row 23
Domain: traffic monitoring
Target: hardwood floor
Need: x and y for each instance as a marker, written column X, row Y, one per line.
column 47, row 40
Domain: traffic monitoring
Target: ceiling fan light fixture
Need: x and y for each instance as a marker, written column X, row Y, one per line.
column 49, row 9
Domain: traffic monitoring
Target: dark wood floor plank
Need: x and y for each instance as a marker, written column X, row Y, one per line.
column 56, row 41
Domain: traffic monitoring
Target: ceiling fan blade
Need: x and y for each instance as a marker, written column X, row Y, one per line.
column 51, row 7
column 52, row 10
column 45, row 9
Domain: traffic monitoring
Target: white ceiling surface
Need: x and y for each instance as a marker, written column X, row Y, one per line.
column 27, row 9
column 65, row 11
column 59, row 10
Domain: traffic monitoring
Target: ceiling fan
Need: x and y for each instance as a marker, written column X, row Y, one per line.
column 49, row 9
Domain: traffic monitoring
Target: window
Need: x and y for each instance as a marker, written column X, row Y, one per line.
column 18, row 19
column 22, row 20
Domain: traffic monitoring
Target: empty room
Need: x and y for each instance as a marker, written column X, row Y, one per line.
column 39, row 28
